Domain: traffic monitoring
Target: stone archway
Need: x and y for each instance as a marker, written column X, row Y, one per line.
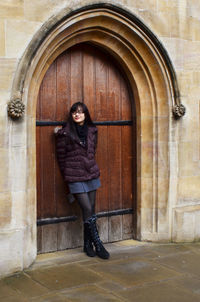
column 154, row 85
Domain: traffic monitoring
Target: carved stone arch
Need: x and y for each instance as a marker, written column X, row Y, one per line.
column 154, row 85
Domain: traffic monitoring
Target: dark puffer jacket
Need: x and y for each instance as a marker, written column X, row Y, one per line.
column 76, row 162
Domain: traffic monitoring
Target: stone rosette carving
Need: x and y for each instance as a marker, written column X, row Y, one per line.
column 178, row 110
column 16, row 108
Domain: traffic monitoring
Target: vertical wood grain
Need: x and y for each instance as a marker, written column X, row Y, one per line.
column 48, row 94
column 86, row 73
column 114, row 167
column 76, row 76
column 48, row 206
column 89, row 91
column 63, row 88
column 103, row 162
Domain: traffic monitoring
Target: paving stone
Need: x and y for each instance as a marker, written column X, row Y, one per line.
column 185, row 263
column 194, row 247
column 133, row 272
column 130, row 243
column 16, row 298
column 152, row 272
column 52, row 297
column 158, row 292
column 110, row 286
column 90, row 294
column 25, row 285
column 130, row 252
column 6, row 290
column 167, row 249
column 187, row 283
column 64, row 276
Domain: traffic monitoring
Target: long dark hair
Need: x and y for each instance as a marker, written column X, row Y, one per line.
column 88, row 120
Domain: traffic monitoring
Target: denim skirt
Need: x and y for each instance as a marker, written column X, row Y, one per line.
column 84, row 186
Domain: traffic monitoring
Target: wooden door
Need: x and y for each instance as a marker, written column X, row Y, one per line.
column 86, row 73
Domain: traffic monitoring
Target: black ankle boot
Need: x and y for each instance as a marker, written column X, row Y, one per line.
column 88, row 246
column 100, row 249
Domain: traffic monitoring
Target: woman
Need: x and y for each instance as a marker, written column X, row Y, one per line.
column 76, row 145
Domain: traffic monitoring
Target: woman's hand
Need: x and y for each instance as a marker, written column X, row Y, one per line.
column 57, row 129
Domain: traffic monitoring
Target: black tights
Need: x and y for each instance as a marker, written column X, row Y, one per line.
column 87, row 203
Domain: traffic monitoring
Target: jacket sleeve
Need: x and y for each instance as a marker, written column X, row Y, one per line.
column 61, row 139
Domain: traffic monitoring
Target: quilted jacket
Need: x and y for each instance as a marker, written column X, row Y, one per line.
column 76, row 161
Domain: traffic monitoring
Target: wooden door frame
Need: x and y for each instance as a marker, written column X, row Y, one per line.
column 154, row 85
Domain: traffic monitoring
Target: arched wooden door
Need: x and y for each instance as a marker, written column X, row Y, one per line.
column 86, row 73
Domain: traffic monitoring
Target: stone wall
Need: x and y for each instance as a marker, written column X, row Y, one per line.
column 176, row 24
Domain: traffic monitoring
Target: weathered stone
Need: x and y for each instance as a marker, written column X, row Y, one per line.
column 12, row 9
column 2, row 38
column 168, row 151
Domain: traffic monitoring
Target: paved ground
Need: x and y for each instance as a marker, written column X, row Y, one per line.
column 142, row 272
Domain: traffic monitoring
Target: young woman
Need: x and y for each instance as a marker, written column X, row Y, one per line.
column 76, row 146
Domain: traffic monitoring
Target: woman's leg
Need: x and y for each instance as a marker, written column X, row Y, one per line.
column 85, row 204
column 87, row 211
column 92, row 197
column 90, row 225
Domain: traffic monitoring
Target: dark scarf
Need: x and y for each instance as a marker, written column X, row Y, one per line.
column 82, row 132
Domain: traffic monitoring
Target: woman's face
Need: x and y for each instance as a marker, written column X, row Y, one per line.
column 78, row 116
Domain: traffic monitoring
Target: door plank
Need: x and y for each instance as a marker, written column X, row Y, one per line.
column 48, row 205
column 86, row 73
column 89, row 92
column 76, row 90
column 102, row 203
column 63, row 85
column 48, row 89
column 127, row 160
column 114, row 167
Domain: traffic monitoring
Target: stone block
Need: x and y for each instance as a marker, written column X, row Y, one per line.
column 175, row 48
column 11, row 252
column 188, row 158
column 5, row 181
column 35, row 11
column 193, row 9
column 167, row 6
column 158, row 22
column 147, row 150
column 19, row 168
column 12, row 9
column 7, row 69
column 186, row 223
column 2, row 38
column 194, row 26
column 141, row 5
column 23, row 32
column 5, row 209
column 189, row 189
column 4, row 120
column 18, row 209
column 191, row 56
column 18, row 135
